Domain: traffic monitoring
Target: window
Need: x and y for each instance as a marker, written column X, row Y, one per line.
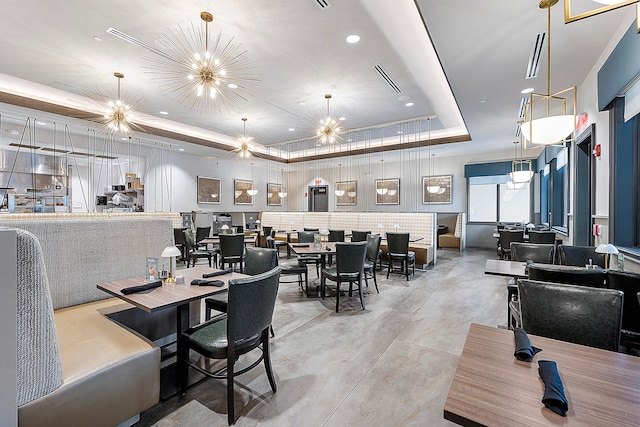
column 490, row 200
column 554, row 189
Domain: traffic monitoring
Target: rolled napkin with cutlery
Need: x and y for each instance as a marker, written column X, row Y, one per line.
column 140, row 288
column 217, row 273
column 553, row 397
column 524, row 350
column 200, row 282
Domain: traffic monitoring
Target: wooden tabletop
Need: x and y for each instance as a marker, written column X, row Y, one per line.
column 501, row 267
column 216, row 240
column 169, row 294
column 492, row 388
column 311, row 249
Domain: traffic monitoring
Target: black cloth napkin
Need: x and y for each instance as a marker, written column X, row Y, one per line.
column 216, row 273
column 200, row 282
column 524, row 350
column 553, row 398
column 299, row 245
column 140, row 288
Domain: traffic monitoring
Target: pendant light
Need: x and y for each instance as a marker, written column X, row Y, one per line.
column 550, row 128
column 118, row 114
column 244, row 147
column 329, row 128
column 521, row 171
column 253, row 190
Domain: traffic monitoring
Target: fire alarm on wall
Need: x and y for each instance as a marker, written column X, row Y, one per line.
column 596, row 150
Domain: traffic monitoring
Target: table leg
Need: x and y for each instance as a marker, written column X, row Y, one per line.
column 288, row 246
column 182, row 323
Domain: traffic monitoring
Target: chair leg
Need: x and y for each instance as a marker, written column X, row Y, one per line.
column 271, row 330
column 183, row 368
column 375, row 281
column 389, row 267
column 337, row 295
column 267, row 361
column 360, row 291
column 322, row 286
column 230, row 401
column 406, row 268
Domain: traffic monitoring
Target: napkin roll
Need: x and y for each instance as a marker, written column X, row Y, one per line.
column 553, row 397
column 200, row 282
column 217, row 273
column 524, row 350
column 140, row 288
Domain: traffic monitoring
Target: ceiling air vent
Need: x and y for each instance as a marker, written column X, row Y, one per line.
column 518, row 130
column 386, row 78
column 533, row 67
column 134, row 41
column 523, row 102
column 322, row 4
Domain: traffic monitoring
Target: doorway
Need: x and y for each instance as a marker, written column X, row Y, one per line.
column 583, row 197
column 318, row 198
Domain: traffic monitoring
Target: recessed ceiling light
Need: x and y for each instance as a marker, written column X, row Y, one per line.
column 232, row 86
column 527, row 90
column 400, row 132
column 291, row 130
column 180, row 149
column 483, row 101
column 353, row 38
column 124, row 138
column 98, row 39
column 349, row 140
column 409, row 104
column 302, row 104
column 164, row 113
column 342, row 118
column 41, row 123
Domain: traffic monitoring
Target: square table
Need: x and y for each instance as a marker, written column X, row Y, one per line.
column 492, row 388
column 327, row 248
column 500, row 267
column 170, row 295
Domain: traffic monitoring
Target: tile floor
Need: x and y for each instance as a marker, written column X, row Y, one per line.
column 389, row 365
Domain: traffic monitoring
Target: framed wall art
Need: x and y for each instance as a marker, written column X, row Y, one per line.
column 273, row 197
column 209, row 190
column 388, row 191
column 241, row 195
column 437, row 189
column 346, row 193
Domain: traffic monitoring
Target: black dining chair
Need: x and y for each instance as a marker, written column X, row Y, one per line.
column 579, row 255
column 629, row 284
column 192, row 252
column 505, row 240
column 179, row 242
column 292, row 268
column 232, row 250
column 334, row 236
column 359, row 236
column 548, row 237
column 277, row 243
column 540, row 253
column 257, row 261
column 579, row 276
column 309, row 237
column 577, row 314
column 371, row 259
column 244, row 328
column 398, row 251
column 349, row 268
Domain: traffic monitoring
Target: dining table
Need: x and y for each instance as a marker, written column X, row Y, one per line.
column 176, row 296
column 324, row 249
column 490, row 387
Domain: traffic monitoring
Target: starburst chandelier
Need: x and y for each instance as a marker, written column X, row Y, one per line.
column 201, row 75
column 117, row 117
column 244, row 147
column 329, row 128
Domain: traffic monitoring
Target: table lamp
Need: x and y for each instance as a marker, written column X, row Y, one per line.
column 607, row 249
column 258, row 224
column 396, row 227
column 324, row 233
column 171, row 252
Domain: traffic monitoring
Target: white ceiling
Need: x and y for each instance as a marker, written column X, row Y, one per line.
column 482, row 47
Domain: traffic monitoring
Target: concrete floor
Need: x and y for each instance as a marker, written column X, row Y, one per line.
column 389, row 365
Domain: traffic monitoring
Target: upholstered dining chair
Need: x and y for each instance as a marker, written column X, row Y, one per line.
column 292, row 268
column 232, row 250
column 277, row 243
column 178, row 239
column 359, row 236
column 334, row 236
column 540, row 253
column 398, row 251
column 536, row 236
column 556, row 274
column 629, row 284
column 308, row 237
column 579, row 255
column 371, row 259
column 349, row 268
column 505, row 239
column 578, row 314
column 192, row 252
column 244, row 328
column 257, row 261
